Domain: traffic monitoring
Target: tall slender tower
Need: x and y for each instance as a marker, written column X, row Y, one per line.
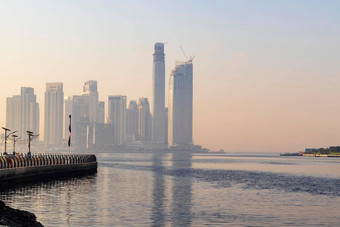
column 181, row 104
column 54, row 109
column 158, row 94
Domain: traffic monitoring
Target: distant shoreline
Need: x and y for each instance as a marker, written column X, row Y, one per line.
column 322, row 155
column 336, row 155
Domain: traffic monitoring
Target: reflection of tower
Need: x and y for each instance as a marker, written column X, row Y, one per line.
column 181, row 191
column 158, row 94
column 158, row 192
column 181, row 104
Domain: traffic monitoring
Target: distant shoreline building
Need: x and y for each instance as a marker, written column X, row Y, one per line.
column 117, row 118
column 90, row 90
column 132, row 121
column 144, row 120
column 87, row 116
column 54, row 110
column 22, row 113
column 158, row 94
column 180, row 112
column 13, row 112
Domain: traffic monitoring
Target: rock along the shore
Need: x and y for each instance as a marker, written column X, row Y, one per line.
column 17, row 218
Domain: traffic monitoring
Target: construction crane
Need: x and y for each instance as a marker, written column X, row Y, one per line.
column 190, row 59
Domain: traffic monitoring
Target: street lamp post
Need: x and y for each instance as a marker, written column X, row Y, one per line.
column 14, row 140
column 30, row 135
column 30, row 138
column 6, row 136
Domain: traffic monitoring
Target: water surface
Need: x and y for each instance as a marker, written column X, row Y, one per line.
column 145, row 189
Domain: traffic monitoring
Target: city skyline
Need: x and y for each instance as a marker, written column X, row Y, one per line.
column 268, row 84
column 129, row 127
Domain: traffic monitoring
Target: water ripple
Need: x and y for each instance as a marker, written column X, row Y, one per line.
column 249, row 179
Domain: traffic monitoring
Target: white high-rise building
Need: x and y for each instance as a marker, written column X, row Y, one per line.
column 80, row 121
column 101, row 112
column 13, row 113
column 132, row 120
column 181, row 105
column 86, row 111
column 54, row 109
column 117, row 117
column 29, row 112
column 144, row 120
column 22, row 113
column 158, row 94
column 68, row 112
column 90, row 90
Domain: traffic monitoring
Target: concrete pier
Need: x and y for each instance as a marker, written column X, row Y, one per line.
column 24, row 168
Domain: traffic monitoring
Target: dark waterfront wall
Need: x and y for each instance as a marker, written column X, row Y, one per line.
column 20, row 169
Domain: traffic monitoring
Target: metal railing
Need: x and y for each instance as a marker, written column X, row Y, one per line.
column 17, row 161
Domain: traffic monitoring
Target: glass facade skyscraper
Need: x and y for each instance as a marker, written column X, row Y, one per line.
column 181, row 105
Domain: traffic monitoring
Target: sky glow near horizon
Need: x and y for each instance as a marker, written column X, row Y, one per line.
column 266, row 73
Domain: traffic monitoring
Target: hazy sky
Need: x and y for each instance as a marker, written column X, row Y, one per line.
column 266, row 73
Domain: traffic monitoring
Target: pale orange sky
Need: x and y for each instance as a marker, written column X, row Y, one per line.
column 266, row 74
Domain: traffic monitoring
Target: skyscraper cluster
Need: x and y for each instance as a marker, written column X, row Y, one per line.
column 141, row 124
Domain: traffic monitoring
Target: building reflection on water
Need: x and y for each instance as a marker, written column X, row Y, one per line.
column 161, row 196
column 180, row 196
column 56, row 195
column 158, row 192
column 145, row 189
column 181, row 191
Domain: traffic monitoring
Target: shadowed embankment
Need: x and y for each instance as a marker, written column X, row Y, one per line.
column 15, row 217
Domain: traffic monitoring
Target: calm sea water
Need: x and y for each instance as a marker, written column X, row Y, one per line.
column 147, row 189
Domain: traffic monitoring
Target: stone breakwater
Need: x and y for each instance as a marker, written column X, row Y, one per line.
column 15, row 217
column 21, row 169
column 17, row 169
